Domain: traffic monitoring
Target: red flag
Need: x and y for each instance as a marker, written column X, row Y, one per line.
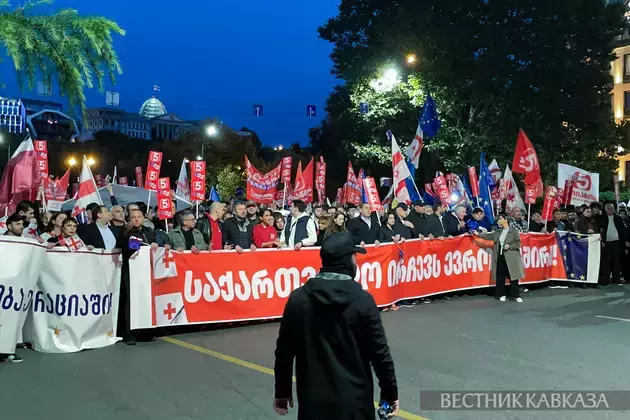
column 262, row 188
column 41, row 151
column 550, row 200
column 530, row 194
column 526, row 161
column 56, row 190
column 304, row 184
column 123, row 181
column 320, row 179
column 286, row 169
column 153, row 170
column 371, row 190
column 339, row 197
column 474, row 181
column 87, row 192
column 559, row 197
column 442, row 190
column 139, row 176
column 165, row 209
column 19, row 179
column 353, row 187
column 197, row 180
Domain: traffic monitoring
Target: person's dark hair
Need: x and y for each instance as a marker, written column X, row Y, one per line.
column 325, row 207
column 299, row 204
column 535, row 211
column 69, row 220
column 51, row 222
column 261, row 213
column 502, row 215
column 182, row 215
column 336, row 229
column 326, row 221
column 389, row 213
column 557, row 211
column 24, row 206
column 622, row 210
column 91, row 207
column 96, row 211
column 15, row 217
column 138, row 210
column 238, row 203
column 436, row 206
column 477, row 210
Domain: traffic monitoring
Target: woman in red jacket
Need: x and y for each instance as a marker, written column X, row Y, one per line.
column 265, row 234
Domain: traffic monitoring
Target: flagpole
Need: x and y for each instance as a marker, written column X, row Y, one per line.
column 197, row 210
column 284, row 196
column 149, row 200
column 529, row 214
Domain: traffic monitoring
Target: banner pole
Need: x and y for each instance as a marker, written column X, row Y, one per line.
column 197, row 210
column 149, row 200
column 529, row 214
column 284, row 196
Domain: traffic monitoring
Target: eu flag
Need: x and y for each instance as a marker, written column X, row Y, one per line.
column 429, row 121
column 485, row 200
column 574, row 251
column 214, row 195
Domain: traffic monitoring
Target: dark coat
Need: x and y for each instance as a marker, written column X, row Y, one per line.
column 361, row 232
column 144, row 233
column 451, row 225
column 385, row 234
column 420, row 224
column 91, row 236
column 232, row 234
column 621, row 228
column 333, row 329
column 435, row 226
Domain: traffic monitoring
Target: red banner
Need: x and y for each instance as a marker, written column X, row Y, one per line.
column 530, row 194
column 41, row 153
column 262, row 188
column 197, row 180
column 304, row 184
column 57, row 189
column 550, row 201
column 441, row 188
column 320, row 179
column 504, row 187
column 139, row 176
column 568, row 191
column 153, row 170
column 285, row 176
column 559, row 198
column 224, row 286
column 371, row 190
column 339, row 197
column 123, row 181
column 353, row 188
column 526, row 160
column 165, row 209
column 474, row 181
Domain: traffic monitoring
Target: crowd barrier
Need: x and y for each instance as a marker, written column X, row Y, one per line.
column 66, row 302
column 169, row 288
column 59, row 301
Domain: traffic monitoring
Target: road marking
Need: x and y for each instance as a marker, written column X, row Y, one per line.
column 258, row 368
column 612, row 317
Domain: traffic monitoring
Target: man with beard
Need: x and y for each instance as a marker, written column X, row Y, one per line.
column 333, row 329
column 238, row 230
column 586, row 224
column 15, row 225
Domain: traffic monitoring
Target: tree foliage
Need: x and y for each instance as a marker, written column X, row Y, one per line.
column 74, row 50
column 492, row 68
column 229, row 178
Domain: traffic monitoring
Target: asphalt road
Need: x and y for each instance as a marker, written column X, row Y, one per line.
column 555, row 340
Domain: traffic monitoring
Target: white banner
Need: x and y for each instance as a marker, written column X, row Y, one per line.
column 585, row 187
column 76, row 303
column 20, row 259
column 125, row 194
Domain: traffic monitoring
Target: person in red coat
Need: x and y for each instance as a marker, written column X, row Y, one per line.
column 265, row 234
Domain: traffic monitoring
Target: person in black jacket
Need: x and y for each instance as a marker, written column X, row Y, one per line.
column 436, row 221
column 238, row 230
column 614, row 240
column 98, row 233
column 386, row 233
column 418, row 218
column 146, row 235
column 403, row 227
column 454, row 224
column 364, row 228
column 333, row 329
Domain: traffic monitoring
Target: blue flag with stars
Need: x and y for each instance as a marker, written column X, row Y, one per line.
column 574, row 250
column 429, row 121
column 214, row 195
column 485, row 200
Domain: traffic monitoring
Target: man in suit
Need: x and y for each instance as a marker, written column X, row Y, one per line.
column 364, row 228
column 436, row 221
column 453, row 223
column 98, row 234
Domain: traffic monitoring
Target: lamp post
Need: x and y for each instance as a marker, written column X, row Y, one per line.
column 211, row 131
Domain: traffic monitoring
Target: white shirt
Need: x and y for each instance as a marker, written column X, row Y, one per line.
column 611, row 233
column 504, row 233
column 108, row 237
column 311, row 232
column 367, row 221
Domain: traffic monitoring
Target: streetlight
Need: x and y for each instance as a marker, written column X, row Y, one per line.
column 211, row 130
column 91, row 161
column 411, row 58
column 199, row 157
column 72, row 161
column 387, row 82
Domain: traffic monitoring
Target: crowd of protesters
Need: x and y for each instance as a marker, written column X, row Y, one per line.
column 244, row 225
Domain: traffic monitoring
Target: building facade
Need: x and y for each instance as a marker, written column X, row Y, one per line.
column 152, row 122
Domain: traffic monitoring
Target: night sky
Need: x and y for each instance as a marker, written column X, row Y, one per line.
column 217, row 59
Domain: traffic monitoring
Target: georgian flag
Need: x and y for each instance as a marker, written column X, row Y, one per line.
column 401, row 172
column 164, row 264
column 74, row 243
column 182, row 188
column 30, row 231
column 87, row 192
column 495, row 171
column 3, row 225
column 169, row 309
column 415, row 148
column 513, row 199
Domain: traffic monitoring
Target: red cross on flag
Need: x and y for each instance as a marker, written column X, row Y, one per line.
column 164, row 264
column 87, row 192
column 3, row 225
column 169, row 309
column 30, row 231
column 74, row 243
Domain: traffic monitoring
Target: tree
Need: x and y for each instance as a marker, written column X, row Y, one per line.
column 229, row 178
column 492, row 68
column 75, row 50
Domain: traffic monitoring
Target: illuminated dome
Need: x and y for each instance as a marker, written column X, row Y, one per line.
column 152, row 107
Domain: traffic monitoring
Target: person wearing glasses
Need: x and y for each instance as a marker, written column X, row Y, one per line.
column 185, row 237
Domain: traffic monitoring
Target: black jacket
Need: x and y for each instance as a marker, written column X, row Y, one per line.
column 361, row 232
column 333, row 329
column 385, row 234
column 91, row 235
column 232, row 234
column 420, row 223
column 621, row 228
column 145, row 234
column 435, row 227
column 451, row 225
